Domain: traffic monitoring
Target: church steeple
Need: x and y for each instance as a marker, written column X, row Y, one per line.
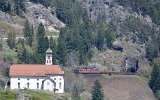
column 49, row 56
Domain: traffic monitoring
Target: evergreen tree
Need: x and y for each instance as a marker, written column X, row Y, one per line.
column 61, row 49
column 100, row 41
column 62, row 10
column 106, row 35
column 110, row 36
column 41, row 39
column 20, row 51
column 42, row 49
column 82, row 56
column 25, row 53
column 151, row 51
column 19, row 7
column 31, row 36
column 11, row 40
column 42, row 44
column 39, row 58
column 46, row 3
column 154, row 82
column 97, row 93
column 53, row 48
column 28, row 54
column 40, row 31
column 27, row 29
column 5, row 6
column 46, row 43
column 28, row 33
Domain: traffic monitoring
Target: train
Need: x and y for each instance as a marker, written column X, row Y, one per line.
column 89, row 71
column 94, row 70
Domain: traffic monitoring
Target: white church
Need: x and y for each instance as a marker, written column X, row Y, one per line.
column 37, row 77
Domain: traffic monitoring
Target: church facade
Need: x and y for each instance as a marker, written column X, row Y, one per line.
column 37, row 77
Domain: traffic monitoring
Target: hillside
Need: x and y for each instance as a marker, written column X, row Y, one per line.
column 125, row 23
column 35, row 13
column 131, row 29
column 122, row 88
column 84, row 33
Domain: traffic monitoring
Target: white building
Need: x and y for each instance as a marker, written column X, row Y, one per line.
column 37, row 77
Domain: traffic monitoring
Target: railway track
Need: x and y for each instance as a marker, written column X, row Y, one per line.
column 109, row 73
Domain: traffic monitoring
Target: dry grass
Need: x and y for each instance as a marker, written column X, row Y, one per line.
column 11, row 28
column 122, row 88
column 53, row 33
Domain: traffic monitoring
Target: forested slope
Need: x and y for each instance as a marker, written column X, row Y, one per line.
column 87, row 32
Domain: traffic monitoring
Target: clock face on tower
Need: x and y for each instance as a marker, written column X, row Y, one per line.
column 49, row 57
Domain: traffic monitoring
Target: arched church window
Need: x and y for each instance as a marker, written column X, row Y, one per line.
column 18, row 85
column 28, row 85
column 60, row 85
column 37, row 85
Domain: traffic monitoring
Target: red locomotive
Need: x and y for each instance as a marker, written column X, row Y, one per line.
column 89, row 70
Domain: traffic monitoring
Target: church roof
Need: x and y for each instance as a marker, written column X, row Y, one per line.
column 35, row 70
column 49, row 50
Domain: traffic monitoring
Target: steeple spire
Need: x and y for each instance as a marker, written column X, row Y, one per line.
column 49, row 42
column 49, row 56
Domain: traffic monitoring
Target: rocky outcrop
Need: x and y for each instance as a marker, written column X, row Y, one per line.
column 117, row 46
column 8, row 24
column 6, row 18
column 128, row 41
column 2, row 33
column 111, row 12
column 37, row 13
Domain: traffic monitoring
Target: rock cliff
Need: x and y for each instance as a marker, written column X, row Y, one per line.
column 122, row 20
column 35, row 13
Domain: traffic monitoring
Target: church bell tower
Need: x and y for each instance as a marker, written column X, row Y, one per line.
column 49, row 56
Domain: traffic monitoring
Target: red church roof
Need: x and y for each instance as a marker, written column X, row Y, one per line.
column 34, row 70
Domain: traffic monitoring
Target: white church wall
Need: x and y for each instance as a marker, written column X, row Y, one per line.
column 48, row 85
column 59, row 83
column 26, row 82
column 32, row 81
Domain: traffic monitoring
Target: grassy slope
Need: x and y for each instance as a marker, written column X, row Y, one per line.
column 44, row 95
column 39, row 95
column 7, row 95
column 31, row 95
column 122, row 87
column 10, row 28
